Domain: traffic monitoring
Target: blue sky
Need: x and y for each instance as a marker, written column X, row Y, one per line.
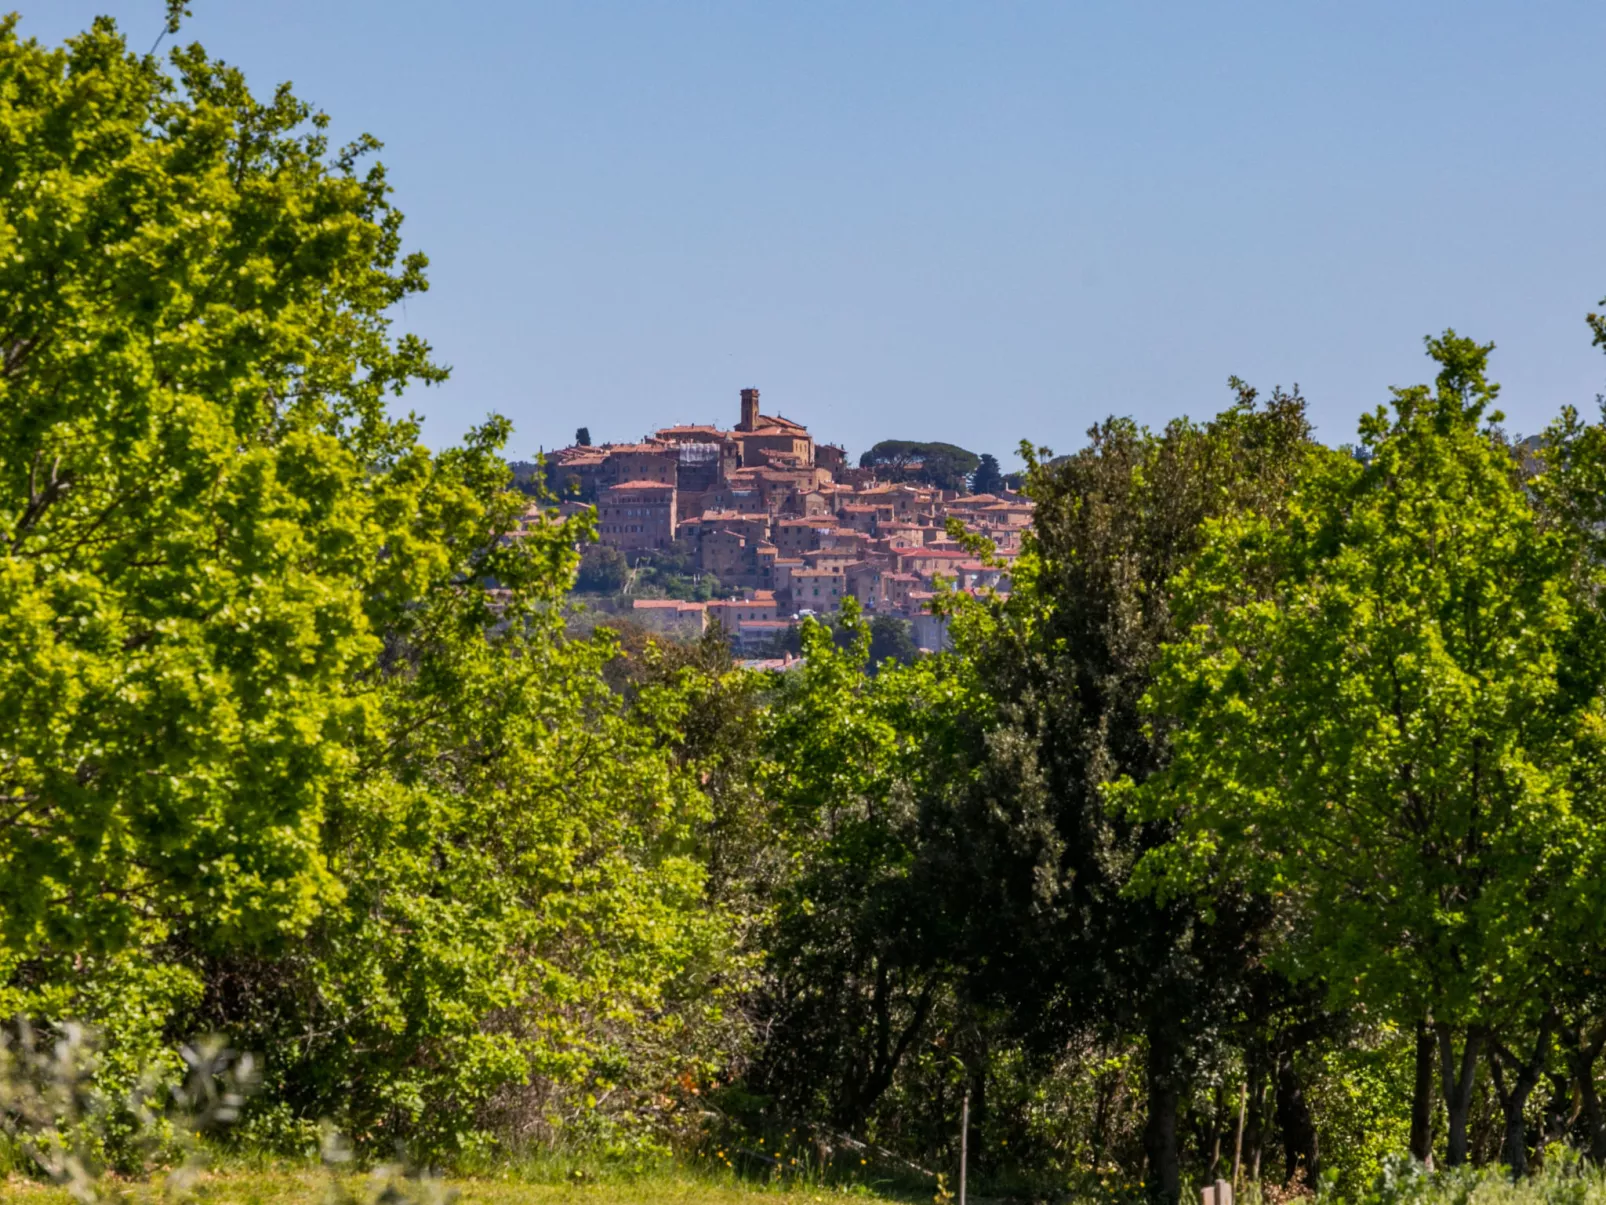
column 974, row 222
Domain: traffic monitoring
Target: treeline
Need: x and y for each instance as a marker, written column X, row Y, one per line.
column 1260, row 824
column 943, row 465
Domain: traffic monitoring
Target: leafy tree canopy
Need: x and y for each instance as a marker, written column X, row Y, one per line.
column 294, row 744
column 946, row 466
column 603, row 570
column 1373, row 721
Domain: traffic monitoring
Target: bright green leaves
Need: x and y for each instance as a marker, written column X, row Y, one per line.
column 1371, row 719
column 192, row 514
column 286, row 702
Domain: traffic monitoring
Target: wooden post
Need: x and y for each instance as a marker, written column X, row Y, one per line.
column 964, row 1143
column 1238, row 1144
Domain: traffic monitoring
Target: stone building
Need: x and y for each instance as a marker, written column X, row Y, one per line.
column 652, row 461
column 637, row 516
column 766, row 437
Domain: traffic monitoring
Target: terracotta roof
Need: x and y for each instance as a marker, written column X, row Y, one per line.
column 777, row 422
column 642, row 485
column 664, row 604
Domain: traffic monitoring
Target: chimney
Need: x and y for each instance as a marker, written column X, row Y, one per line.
column 749, row 411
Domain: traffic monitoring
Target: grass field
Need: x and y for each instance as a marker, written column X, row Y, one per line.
column 315, row 1187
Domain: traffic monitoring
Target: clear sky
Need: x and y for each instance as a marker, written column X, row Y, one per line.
column 970, row 222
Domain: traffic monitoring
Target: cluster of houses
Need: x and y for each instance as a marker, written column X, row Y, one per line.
column 786, row 526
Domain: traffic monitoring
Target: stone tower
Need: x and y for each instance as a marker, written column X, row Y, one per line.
column 749, row 411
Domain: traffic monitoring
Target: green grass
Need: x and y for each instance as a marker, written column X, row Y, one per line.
column 311, row 1186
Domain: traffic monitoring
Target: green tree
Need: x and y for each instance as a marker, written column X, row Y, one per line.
column 603, row 570
column 858, row 970
column 988, row 477
column 892, row 639
column 945, row 466
column 196, row 482
column 294, row 742
column 1041, row 860
column 1372, row 724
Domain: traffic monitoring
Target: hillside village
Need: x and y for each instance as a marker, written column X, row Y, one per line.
column 786, row 526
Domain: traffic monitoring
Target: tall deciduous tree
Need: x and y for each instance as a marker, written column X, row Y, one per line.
column 287, row 712
column 1373, row 725
column 206, row 517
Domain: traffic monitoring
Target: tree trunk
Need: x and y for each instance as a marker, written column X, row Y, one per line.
column 1160, row 1129
column 1583, row 1048
column 1524, row 1078
column 1422, row 1097
column 1101, row 1115
column 1300, row 1155
column 1457, row 1084
column 1256, row 1136
column 1216, row 1108
column 1561, row 1113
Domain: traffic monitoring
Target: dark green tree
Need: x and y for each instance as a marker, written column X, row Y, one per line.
column 945, row 466
column 582, row 437
column 858, row 965
column 1039, row 857
column 603, row 570
column 892, row 639
column 988, row 477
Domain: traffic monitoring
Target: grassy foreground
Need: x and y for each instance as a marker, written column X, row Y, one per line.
column 312, row 1186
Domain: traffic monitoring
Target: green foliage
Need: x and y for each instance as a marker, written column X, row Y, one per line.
column 603, row 570
column 1052, row 935
column 1275, row 778
column 946, row 466
column 857, row 969
column 1361, row 1092
column 672, row 573
column 195, row 483
column 279, row 759
column 1373, row 723
column 987, row 478
column 891, row 640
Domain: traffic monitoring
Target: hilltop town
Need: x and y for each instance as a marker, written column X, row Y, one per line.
column 785, row 525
